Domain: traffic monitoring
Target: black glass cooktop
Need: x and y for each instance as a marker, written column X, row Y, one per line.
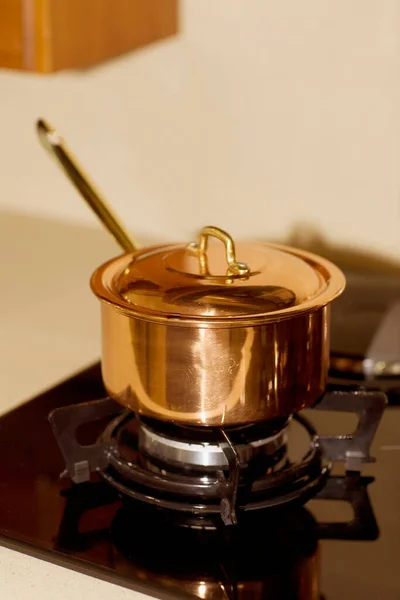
column 316, row 551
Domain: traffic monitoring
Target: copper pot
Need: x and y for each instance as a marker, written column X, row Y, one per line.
column 191, row 335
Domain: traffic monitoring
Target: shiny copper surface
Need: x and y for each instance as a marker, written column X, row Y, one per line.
column 223, row 349
column 213, row 376
column 167, row 284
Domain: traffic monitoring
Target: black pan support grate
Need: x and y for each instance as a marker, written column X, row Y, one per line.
column 228, row 493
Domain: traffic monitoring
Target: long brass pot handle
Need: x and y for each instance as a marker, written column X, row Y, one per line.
column 55, row 145
column 234, row 267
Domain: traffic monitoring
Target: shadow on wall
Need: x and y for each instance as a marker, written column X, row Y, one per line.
column 307, row 237
column 40, row 239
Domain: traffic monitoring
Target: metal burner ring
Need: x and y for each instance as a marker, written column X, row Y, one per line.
column 205, row 454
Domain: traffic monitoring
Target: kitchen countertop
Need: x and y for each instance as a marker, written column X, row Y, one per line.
column 49, row 328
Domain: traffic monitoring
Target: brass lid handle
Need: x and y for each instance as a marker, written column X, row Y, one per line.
column 234, row 267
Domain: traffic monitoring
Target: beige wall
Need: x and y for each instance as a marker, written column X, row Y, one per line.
column 261, row 116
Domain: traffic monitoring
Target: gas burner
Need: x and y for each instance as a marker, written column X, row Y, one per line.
column 249, row 478
column 177, row 451
column 197, row 447
column 233, row 471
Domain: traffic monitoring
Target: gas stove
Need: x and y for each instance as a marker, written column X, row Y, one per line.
column 294, row 508
column 203, row 473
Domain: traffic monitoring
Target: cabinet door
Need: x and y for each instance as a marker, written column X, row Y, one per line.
column 49, row 35
column 11, row 34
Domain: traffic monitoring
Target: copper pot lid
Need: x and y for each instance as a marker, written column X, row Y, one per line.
column 205, row 282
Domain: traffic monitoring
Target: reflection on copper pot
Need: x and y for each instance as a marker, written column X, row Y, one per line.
column 273, row 557
column 224, row 376
column 192, row 335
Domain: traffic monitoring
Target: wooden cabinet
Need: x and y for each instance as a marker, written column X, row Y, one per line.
column 49, row 35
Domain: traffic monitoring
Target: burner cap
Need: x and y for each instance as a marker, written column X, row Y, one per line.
column 175, row 451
